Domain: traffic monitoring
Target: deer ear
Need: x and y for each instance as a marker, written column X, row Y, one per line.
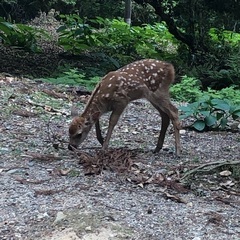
column 74, row 111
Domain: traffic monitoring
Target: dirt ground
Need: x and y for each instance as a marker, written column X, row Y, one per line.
column 49, row 192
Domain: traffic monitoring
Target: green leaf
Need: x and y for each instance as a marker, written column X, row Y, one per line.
column 183, row 116
column 223, row 122
column 234, row 108
column 220, row 104
column 236, row 114
column 61, row 28
column 199, row 125
column 205, row 113
column 185, row 108
column 210, row 120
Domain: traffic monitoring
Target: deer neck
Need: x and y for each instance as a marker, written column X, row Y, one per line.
column 92, row 113
column 95, row 107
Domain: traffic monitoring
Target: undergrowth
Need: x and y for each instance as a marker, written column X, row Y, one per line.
column 73, row 77
column 211, row 109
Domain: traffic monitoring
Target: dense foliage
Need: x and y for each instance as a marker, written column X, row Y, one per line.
column 210, row 113
column 201, row 38
column 20, row 35
column 211, row 109
column 191, row 22
column 116, row 39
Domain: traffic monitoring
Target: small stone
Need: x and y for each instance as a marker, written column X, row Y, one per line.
column 182, row 131
column 89, row 228
column 149, row 211
column 225, row 173
column 60, row 216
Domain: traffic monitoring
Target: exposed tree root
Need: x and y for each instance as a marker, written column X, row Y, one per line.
column 208, row 168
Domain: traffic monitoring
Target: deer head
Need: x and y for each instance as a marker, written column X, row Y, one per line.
column 78, row 131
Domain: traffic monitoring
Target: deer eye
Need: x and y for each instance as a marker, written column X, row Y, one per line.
column 88, row 123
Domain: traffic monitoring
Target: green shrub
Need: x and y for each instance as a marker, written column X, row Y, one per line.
column 188, row 90
column 116, row 38
column 230, row 94
column 210, row 113
column 73, row 77
column 219, row 67
column 20, row 35
column 76, row 36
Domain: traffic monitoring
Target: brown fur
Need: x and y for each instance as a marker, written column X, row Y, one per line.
column 148, row 79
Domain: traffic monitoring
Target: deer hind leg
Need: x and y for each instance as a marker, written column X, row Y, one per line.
column 165, row 107
column 164, row 125
column 99, row 133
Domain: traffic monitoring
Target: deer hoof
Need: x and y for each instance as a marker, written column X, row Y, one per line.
column 71, row 147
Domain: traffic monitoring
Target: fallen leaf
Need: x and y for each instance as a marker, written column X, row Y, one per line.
column 174, row 198
column 225, row 173
column 229, row 183
column 64, row 172
column 24, row 113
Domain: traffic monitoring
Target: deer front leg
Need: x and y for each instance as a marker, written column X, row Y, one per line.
column 112, row 122
column 99, row 133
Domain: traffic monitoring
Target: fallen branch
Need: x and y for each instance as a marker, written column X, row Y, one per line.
column 42, row 157
column 54, row 94
column 46, row 107
column 210, row 167
column 48, row 191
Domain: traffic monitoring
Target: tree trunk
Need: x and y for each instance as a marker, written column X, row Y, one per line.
column 128, row 11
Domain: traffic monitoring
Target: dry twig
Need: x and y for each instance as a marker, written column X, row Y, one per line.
column 209, row 168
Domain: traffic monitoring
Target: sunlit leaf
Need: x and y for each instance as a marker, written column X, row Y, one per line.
column 199, row 125
column 210, row 120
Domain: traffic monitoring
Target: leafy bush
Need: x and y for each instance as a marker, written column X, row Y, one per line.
column 230, row 93
column 210, row 109
column 219, row 67
column 76, row 36
column 224, row 36
column 210, row 113
column 20, row 35
column 188, row 90
column 116, row 38
column 125, row 42
column 73, row 77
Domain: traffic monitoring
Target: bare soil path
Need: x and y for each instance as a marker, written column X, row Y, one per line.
column 128, row 193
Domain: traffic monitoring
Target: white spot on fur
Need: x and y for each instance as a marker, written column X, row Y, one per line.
column 109, row 85
column 153, row 81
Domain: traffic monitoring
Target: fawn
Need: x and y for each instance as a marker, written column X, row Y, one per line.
column 147, row 78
